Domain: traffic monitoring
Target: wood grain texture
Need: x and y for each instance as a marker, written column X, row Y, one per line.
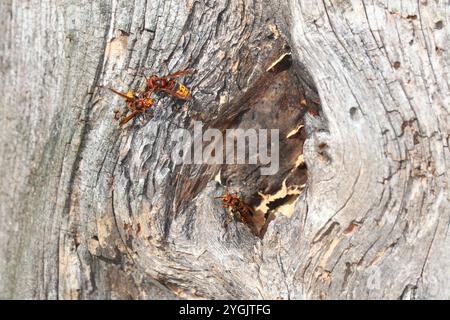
column 88, row 211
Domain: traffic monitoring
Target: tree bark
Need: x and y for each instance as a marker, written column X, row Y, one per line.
column 89, row 211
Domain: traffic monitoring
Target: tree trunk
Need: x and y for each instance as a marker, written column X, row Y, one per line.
column 90, row 211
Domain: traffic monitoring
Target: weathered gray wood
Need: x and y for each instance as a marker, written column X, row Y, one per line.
column 89, row 211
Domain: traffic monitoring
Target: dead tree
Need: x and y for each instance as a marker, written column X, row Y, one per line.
column 359, row 208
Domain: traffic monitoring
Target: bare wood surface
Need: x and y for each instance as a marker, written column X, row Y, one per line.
column 88, row 211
